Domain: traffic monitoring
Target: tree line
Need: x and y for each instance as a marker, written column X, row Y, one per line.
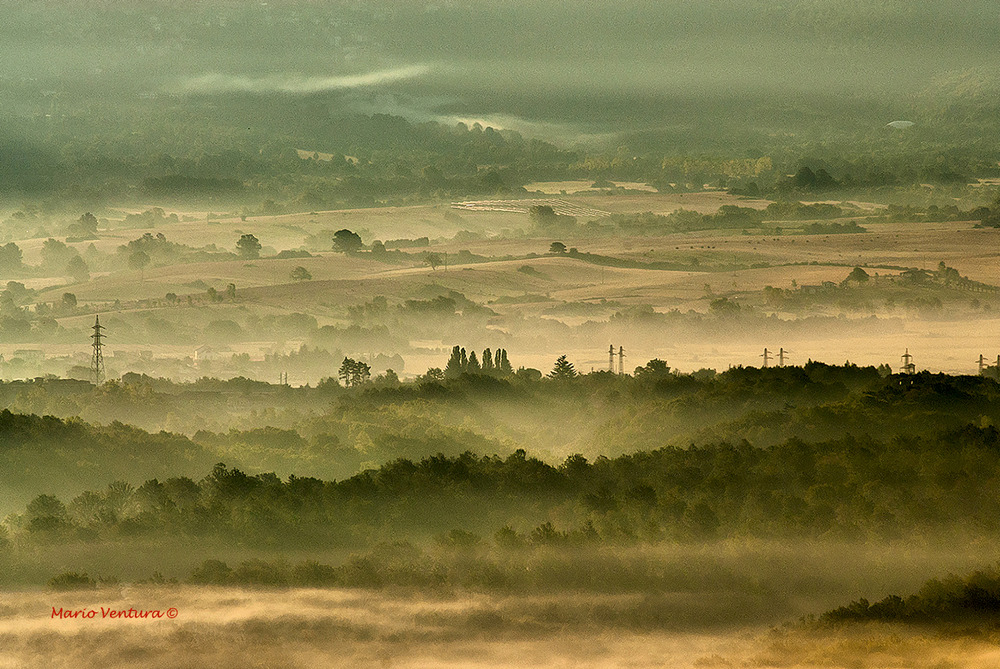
column 491, row 364
column 972, row 599
column 849, row 489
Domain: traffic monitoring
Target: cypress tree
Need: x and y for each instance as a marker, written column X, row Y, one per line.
column 505, row 368
column 454, row 367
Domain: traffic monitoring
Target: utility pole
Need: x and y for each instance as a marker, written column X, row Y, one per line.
column 97, row 360
column 621, row 360
column 767, row 357
column 611, row 359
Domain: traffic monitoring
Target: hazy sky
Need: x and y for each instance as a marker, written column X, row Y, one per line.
column 584, row 62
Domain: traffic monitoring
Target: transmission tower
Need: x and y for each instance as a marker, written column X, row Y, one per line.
column 767, row 357
column 982, row 364
column 781, row 357
column 97, row 361
column 611, row 359
column 621, row 360
column 908, row 366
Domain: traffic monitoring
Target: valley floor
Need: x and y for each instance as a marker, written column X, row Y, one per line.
column 232, row 628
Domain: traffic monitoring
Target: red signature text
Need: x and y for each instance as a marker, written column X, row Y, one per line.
column 109, row 613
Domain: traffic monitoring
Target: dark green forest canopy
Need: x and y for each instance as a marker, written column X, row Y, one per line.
column 334, row 432
column 844, row 489
column 47, row 453
column 819, row 450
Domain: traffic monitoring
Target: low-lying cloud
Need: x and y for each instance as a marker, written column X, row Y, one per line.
column 297, row 84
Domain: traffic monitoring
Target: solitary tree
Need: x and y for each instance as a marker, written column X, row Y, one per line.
column 10, row 257
column 248, row 247
column 433, row 259
column 542, row 214
column 563, row 369
column 55, row 254
column 301, row 274
column 653, row 369
column 88, row 223
column 557, row 247
column 346, row 241
column 859, row 275
column 138, row 260
column 78, row 269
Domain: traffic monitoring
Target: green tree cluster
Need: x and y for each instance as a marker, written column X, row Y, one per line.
column 492, row 364
column 354, row 373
